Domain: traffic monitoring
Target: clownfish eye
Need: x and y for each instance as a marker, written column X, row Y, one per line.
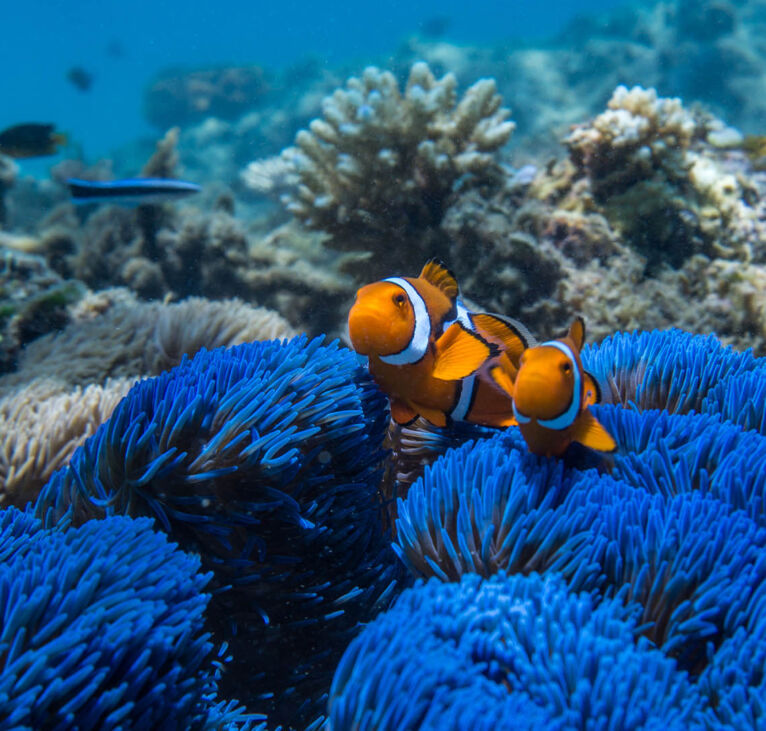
column 399, row 299
column 566, row 367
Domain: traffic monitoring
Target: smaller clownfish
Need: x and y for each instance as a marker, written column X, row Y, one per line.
column 429, row 354
column 551, row 394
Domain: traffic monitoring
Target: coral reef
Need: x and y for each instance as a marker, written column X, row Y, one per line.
column 113, row 335
column 102, row 628
column 380, row 165
column 663, row 197
column 34, row 300
column 264, row 460
column 41, row 425
column 509, row 652
column 646, row 224
column 8, row 172
column 182, row 98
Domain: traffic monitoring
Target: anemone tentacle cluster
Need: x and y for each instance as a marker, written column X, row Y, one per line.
column 103, row 628
column 671, row 529
column 264, row 459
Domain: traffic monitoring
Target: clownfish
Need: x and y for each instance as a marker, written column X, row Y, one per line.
column 429, row 354
column 551, row 394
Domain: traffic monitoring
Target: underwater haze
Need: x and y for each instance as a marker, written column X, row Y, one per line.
column 124, row 45
column 383, row 367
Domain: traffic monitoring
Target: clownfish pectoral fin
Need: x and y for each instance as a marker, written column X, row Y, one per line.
column 591, row 390
column 514, row 336
column 436, row 417
column 436, row 272
column 459, row 353
column 401, row 413
column 577, row 332
column 502, row 379
column 589, row 432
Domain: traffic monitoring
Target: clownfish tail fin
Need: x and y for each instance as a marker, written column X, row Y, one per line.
column 437, row 273
column 513, row 334
column 589, row 432
column 502, row 379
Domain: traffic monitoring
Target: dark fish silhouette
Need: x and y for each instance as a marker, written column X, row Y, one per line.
column 435, row 26
column 31, row 139
column 133, row 191
column 80, row 78
column 115, row 49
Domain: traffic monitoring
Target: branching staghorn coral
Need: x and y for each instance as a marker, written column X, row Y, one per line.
column 102, row 628
column 113, row 335
column 508, row 652
column 41, row 425
column 263, row 459
column 379, row 166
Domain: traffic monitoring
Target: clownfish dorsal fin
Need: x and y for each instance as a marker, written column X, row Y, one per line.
column 591, row 390
column 514, row 336
column 436, row 272
column 589, row 432
column 459, row 353
column 502, row 379
column 577, row 332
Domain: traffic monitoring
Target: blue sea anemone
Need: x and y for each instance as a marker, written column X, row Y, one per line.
column 670, row 454
column 264, row 459
column 690, row 563
column 484, row 507
column 734, row 683
column 102, row 628
column 507, row 652
column 740, row 399
column 671, row 369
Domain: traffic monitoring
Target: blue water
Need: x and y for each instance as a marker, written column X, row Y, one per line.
column 43, row 39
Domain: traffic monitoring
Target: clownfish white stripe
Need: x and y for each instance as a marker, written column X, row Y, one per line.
column 421, row 333
column 463, row 404
column 567, row 418
column 463, row 316
column 519, row 416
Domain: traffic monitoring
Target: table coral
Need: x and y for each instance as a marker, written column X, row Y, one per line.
column 380, row 165
column 103, row 627
column 263, row 459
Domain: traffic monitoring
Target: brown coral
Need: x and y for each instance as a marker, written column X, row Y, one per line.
column 377, row 170
column 41, row 425
column 118, row 336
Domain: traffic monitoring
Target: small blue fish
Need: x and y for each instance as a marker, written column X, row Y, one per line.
column 133, row 191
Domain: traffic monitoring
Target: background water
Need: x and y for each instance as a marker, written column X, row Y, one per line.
column 43, row 39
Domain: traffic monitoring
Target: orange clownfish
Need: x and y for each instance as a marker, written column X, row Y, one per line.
column 430, row 354
column 551, row 394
